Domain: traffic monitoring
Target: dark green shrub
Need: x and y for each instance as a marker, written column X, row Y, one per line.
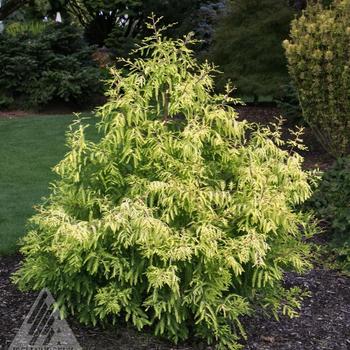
column 180, row 217
column 123, row 38
column 248, row 46
column 49, row 63
column 331, row 202
column 318, row 55
column 120, row 44
column 288, row 102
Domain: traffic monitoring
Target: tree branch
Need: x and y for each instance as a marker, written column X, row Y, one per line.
column 10, row 7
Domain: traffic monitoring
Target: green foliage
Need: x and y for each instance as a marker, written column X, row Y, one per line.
column 342, row 252
column 248, row 46
column 318, row 56
column 180, row 217
column 100, row 18
column 120, row 43
column 38, row 66
column 178, row 16
column 288, row 102
column 331, row 202
column 118, row 23
column 22, row 28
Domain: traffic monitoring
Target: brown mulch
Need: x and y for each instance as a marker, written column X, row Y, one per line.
column 324, row 321
column 13, row 114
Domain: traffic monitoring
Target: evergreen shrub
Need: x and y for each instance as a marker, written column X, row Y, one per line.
column 331, row 203
column 180, row 218
column 42, row 63
column 318, row 55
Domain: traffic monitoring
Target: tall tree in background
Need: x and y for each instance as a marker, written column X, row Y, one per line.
column 10, row 6
column 100, row 17
column 111, row 22
column 103, row 19
column 248, row 45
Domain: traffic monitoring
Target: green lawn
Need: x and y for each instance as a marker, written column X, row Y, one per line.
column 29, row 148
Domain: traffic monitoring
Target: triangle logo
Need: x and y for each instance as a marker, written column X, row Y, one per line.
column 44, row 329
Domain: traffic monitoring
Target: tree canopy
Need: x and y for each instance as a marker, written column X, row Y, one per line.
column 100, row 18
column 10, row 7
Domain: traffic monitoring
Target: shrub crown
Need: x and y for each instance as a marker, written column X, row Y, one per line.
column 180, row 217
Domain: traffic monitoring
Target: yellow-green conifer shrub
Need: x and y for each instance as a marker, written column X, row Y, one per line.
column 319, row 63
column 180, row 218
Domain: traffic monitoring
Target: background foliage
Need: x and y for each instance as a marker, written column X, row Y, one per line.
column 331, row 202
column 40, row 63
column 248, row 46
column 114, row 23
column 288, row 102
column 180, row 217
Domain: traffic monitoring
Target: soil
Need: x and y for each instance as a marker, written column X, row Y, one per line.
column 324, row 322
column 13, row 114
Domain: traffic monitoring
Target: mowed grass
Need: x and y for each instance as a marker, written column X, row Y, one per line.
column 29, row 148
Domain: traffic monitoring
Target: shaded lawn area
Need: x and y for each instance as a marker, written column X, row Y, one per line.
column 29, row 148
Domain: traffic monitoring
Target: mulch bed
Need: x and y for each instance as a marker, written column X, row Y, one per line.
column 324, row 322
column 13, row 114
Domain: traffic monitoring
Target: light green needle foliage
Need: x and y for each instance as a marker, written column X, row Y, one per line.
column 180, row 217
column 318, row 56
